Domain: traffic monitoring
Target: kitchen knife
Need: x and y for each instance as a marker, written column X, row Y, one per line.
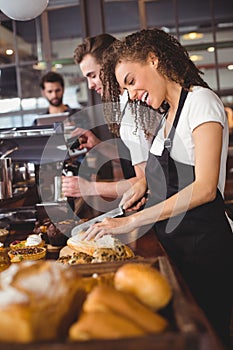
column 110, row 214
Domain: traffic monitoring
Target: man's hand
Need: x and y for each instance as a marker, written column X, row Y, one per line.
column 86, row 138
column 75, row 186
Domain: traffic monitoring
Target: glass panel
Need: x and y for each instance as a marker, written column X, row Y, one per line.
column 30, row 80
column 75, row 94
column 160, row 14
column 7, row 50
column 65, row 29
column 224, row 37
column 26, row 40
column 121, row 16
column 226, row 77
column 195, row 29
column 8, row 85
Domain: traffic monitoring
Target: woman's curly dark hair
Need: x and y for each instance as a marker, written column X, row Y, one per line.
column 173, row 63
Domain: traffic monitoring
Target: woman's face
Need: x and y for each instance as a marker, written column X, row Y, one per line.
column 91, row 70
column 142, row 80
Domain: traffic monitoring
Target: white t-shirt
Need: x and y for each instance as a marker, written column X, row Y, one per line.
column 201, row 105
column 133, row 137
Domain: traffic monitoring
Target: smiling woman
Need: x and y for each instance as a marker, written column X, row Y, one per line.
column 185, row 181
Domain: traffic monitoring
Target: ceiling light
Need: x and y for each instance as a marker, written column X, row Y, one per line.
column 58, row 65
column 192, row 36
column 230, row 67
column 9, row 52
column 40, row 66
column 195, row 58
column 211, row 49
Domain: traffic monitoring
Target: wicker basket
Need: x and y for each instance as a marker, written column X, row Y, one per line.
column 27, row 253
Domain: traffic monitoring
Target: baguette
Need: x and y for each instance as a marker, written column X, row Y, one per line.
column 103, row 325
column 105, row 298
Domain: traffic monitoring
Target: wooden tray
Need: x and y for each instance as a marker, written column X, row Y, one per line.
column 189, row 329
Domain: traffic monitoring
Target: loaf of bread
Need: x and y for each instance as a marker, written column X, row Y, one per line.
column 110, row 314
column 145, row 283
column 38, row 301
column 106, row 248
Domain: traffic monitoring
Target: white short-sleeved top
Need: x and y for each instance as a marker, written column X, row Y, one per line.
column 133, row 137
column 202, row 105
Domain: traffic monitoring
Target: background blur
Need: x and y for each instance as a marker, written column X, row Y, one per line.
column 30, row 48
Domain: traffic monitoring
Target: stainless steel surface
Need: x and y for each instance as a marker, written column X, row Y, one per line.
column 110, row 214
column 29, row 131
column 5, row 178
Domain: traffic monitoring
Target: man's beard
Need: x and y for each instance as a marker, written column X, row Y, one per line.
column 56, row 102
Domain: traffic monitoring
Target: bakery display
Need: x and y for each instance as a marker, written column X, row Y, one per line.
column 38, row 301
column 156, row 292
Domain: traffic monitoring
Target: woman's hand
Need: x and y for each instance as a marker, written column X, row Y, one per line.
column 86, row 138
column 110, row 226
column 75, row 186
column 134, row 198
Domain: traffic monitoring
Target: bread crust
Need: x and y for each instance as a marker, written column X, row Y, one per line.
column 144, row 282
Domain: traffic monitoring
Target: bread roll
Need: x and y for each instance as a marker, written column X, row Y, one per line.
column 103, row 325
column 38, row 301
column 144, row 282
column 105, row 298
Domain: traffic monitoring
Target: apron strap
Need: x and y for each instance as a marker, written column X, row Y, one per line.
column 169, row 139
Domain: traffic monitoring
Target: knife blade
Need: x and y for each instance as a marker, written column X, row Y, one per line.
column 110, row 214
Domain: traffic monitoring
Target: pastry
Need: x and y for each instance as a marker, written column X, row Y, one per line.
column 33, row 240
column 27, row 253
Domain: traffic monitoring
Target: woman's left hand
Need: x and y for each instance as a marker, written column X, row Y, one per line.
column 111, row 226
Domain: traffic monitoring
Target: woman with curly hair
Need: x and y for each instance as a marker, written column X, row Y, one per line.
column 185, row 172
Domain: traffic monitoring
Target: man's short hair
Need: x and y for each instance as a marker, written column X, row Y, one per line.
column 51, row 77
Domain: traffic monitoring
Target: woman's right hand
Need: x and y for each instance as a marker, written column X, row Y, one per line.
column 134, row 198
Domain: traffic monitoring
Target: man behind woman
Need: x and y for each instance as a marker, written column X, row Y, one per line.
column 89, row 56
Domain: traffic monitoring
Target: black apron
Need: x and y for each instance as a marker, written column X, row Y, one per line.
column 200, row 241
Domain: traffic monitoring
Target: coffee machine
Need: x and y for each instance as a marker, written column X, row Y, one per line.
column 26, row 151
